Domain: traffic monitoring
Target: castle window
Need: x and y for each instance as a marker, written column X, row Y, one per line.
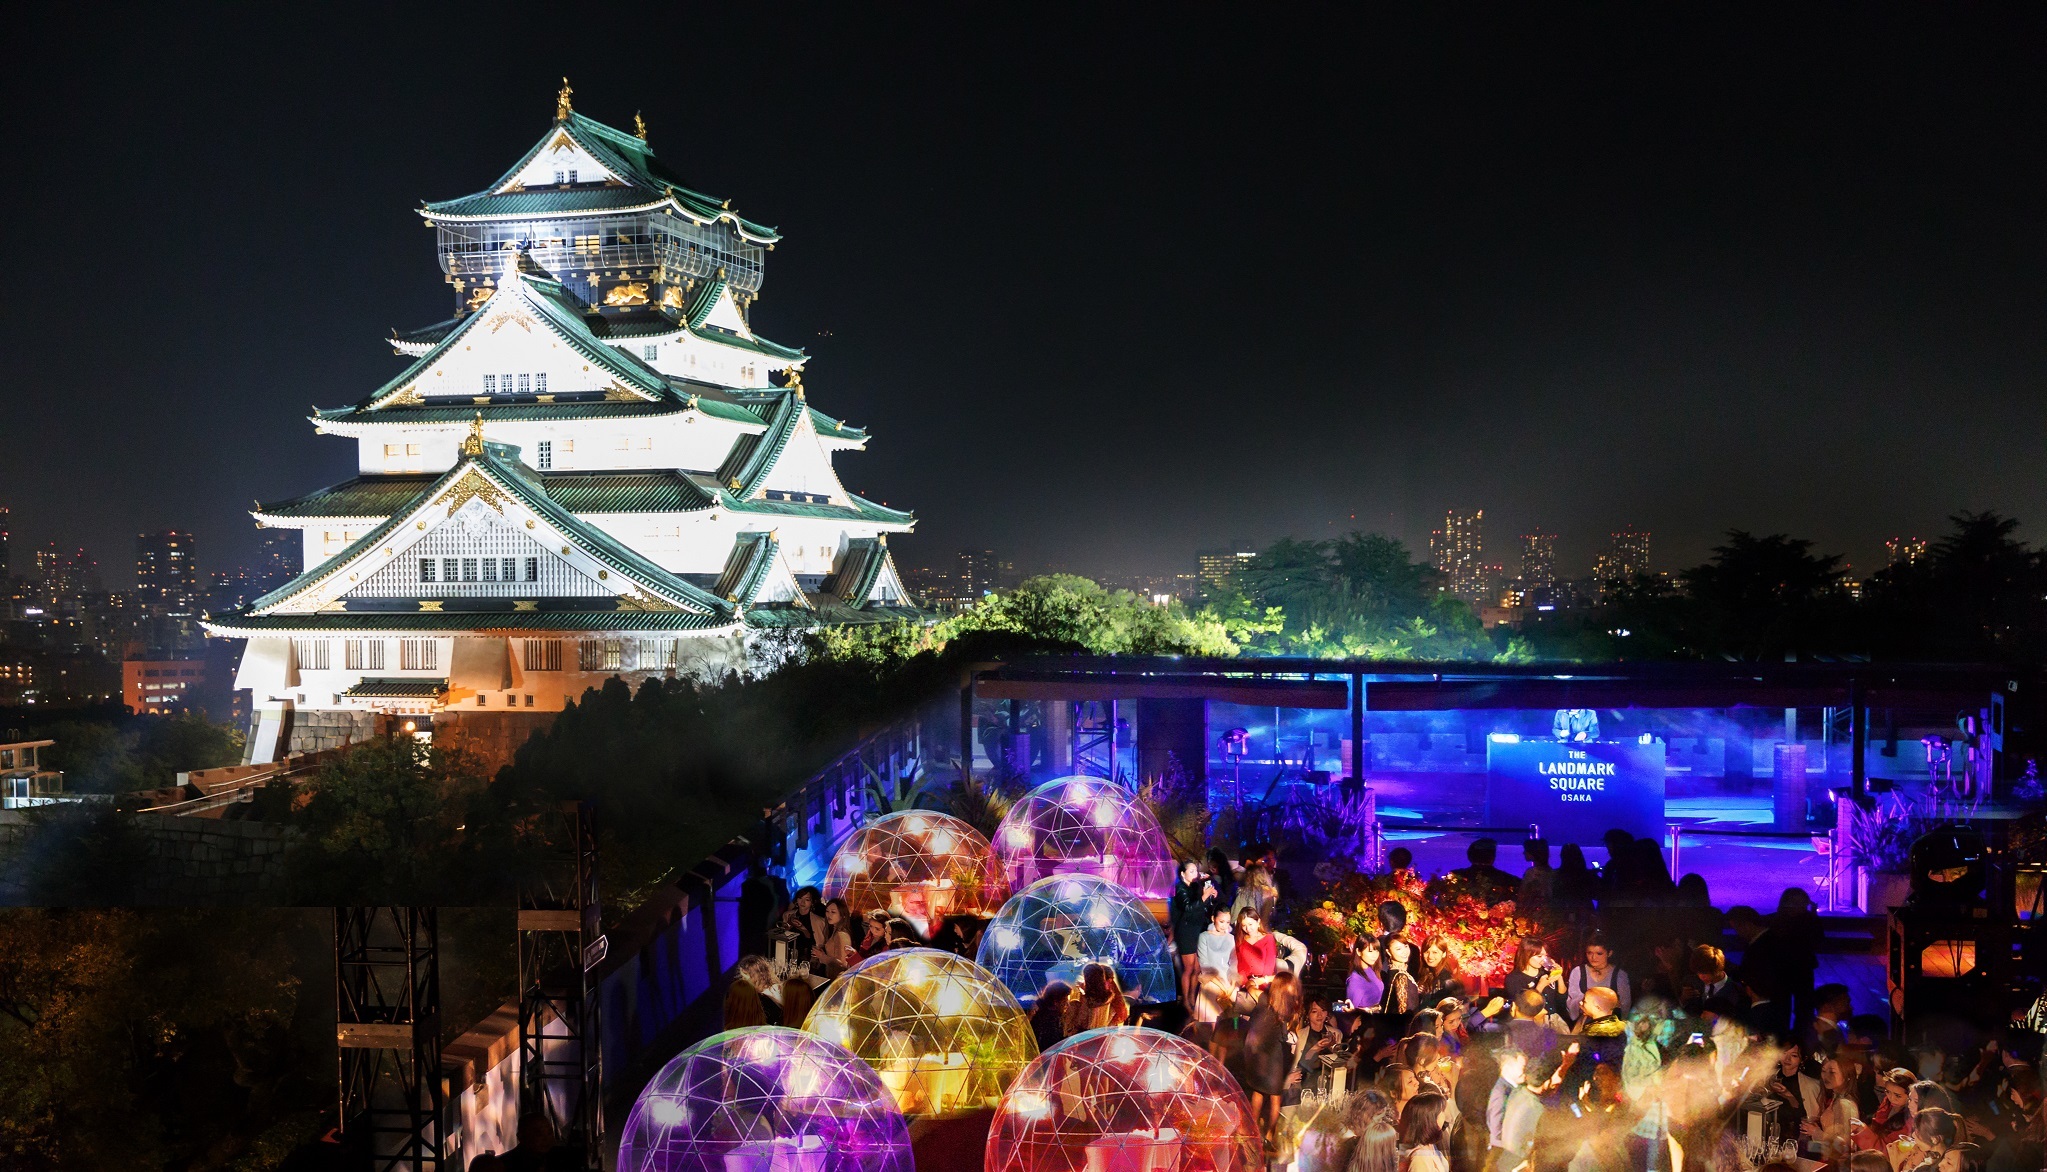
column 540, row 383
column 546, row 455
column 533, row 569
column 451, row 570
column 480, row 699
column 364, row 654
column 543, row 655
column 469, row 569
column 490, row 569
column 312, row 654
column 490, row 384
column 511, row 571
column 525, row 384
column 529, row 701
column 559, row 176
column 419, row 654
column 572, row 174
column 426, row 569
column 650, row 353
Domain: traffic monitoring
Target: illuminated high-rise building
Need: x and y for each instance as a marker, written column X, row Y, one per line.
column 1626, row 555
column 1213, row 568
column 167, row 577
column 1905, row 551
column 1538, row 560
column 1459, row 548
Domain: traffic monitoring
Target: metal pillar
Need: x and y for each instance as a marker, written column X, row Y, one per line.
column 1357, row 730
column 1858, row 738
column 387, row 1027
column 561, row 1066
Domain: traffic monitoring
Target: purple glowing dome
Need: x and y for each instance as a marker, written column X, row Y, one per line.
column 1087, row 826
column 1124, row 1097
column 765, row 1098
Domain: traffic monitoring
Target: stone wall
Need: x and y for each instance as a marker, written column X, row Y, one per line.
column 493, row 736
column 312, row 731
column 191, row 862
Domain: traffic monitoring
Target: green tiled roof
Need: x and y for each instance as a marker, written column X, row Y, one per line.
column 625, row 155
column 543, row 201
column 746, row 567
column 837, row 429
column 425, row 335
column 854, row 578
column 626, row 492
column 752, row 456
column 861, row 509
column 501, row 412
column 364, row 496
column 241, row 622
column 704, row 302
column 526, row 485
column 399, row 687
column 756, row 344
column 563, row 313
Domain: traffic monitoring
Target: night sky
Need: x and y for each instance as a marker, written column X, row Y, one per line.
column 1104, row 291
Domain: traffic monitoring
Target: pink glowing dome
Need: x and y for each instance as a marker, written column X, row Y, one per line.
column 1085, row 826
column 918, row 864
column 765, row 1099
column 1127, row 1097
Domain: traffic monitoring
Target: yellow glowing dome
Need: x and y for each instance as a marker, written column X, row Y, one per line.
column 940, row 1030
column 920, row 865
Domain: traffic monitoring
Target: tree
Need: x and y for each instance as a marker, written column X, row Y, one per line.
column 390, row 821
column 1760, row 597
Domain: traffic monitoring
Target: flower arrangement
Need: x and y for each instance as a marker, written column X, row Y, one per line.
column 1480, row 936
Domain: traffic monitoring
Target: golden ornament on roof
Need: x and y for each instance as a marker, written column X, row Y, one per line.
column 561, row 102
column 639, row 126
column 473, row 445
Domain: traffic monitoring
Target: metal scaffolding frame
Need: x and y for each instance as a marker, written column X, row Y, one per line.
column 561, row 1067
column 387, row 988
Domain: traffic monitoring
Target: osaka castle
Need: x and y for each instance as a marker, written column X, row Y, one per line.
column 595, row 468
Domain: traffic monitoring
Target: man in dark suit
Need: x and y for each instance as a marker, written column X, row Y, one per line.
column 1765, row 972
column 1482, row 878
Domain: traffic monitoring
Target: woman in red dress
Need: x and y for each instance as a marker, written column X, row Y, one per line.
column 1257, row 952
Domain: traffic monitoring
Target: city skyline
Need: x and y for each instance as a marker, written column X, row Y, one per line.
column 1586, row 306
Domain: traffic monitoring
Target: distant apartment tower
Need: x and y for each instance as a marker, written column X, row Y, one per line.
column 1626, row 555
column 1459, row 548
column 3, row 545
column 280, row 556
column 1213, row 568
column 981, row 572
column 1905, row 551
column 60, row 576
column 167, row 578
column 1538, row 560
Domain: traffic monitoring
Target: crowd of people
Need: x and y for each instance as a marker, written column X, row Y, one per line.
column 1622, row 1039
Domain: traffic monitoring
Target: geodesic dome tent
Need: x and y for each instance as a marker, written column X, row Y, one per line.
column 1127, row 1097
column 920, row 865
column 944, row 1035
column 1057, row 926
column 761, row 1100
column 1085, row 826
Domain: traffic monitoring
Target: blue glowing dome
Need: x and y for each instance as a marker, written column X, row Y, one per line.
column 1051, row 930
column 1085, row 825
column 765, row 1098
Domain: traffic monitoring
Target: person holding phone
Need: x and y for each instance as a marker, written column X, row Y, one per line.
column 1194, row 901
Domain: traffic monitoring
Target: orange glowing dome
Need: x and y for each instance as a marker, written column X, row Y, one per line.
column 920, row 865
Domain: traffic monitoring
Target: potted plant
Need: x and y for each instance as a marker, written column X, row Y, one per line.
column 1877, row 842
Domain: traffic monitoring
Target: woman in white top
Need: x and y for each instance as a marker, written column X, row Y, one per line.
column 1421, row 1134
column 1217, row 948
column 1598, row 972
column 1830, row 1129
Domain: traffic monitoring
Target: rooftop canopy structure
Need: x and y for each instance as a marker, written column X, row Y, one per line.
column 760, row 1099
column 1050, row 931
column 942, row 1032
column 920, row 865
column 1085, row 826
column 1123, row 1098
